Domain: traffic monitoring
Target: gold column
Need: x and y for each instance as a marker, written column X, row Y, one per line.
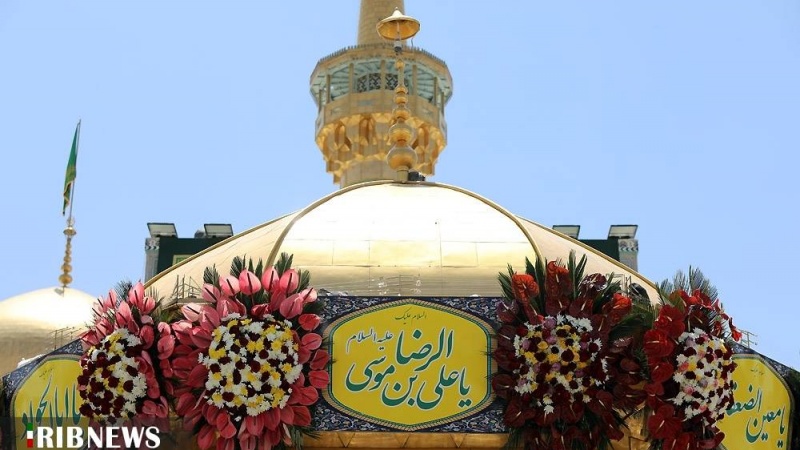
column 372, row 12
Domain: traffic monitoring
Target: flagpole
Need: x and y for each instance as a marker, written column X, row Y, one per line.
column 72, row 190
column 66, row 268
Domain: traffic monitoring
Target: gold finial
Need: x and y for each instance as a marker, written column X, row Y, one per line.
column 65, row 278
column 401, row 158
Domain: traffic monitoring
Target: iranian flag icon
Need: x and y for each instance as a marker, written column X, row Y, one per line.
column 29, row 434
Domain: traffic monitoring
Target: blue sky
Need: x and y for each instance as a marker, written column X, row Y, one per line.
column 681, row 117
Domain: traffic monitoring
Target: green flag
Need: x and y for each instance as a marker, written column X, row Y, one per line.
column 72, row 172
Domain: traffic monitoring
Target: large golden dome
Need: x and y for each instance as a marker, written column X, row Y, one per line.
column 392, row 238
column 40, row 321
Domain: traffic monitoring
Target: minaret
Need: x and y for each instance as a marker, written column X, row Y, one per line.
column 354, row 90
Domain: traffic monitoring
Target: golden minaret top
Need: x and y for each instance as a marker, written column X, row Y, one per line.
column 354, row 90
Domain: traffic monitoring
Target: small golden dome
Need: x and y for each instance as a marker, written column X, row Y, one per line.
column 40, row 321
column 389, row 238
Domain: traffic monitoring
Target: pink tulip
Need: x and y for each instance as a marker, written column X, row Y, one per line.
column 198, row 376
column 272, row 418
column 254, row 425
column 148, row 305
column 275, row 300
column 248, row 443
column 271, row 439
column 229, row 285
column 185, row 403
column 165, row 346
column 307, row 395
column 260, row 311
column 206, row 437
column 292, row 306
column 209, row 319
column 225, row 427
column 320, row 360
column 136, row 297
column 249, row 283
column 287, row 415
column 312, row 341
column 309, row 295
column 123, row 315
column 226, row 307
column 148, row 336
column 303, row 355
column 191, row 311
column 269, row 280
column 289, row 281
column 302, row 416
column 319, row 379
column 211, row 293
column 309, row 322
column 200, row 337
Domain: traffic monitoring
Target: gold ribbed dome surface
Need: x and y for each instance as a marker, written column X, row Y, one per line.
column 389, row 238
column 40, row 321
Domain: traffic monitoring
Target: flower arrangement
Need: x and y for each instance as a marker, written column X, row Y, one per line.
column 247, row 365
column 119, row 381
column 566, row 368
column 690, row 367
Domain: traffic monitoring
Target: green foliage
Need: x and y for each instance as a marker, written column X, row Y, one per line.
column 695, row 280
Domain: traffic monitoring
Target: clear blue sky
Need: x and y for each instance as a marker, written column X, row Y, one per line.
column 682, row 117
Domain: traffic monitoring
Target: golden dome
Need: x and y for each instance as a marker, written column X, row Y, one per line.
column 40, row 321
column 390, row 238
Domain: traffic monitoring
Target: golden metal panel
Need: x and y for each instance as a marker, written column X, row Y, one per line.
column 500, row 254
column 38, row 322
column 316, row 251
column 404, row 253
column 459, row 254
column 350, row 252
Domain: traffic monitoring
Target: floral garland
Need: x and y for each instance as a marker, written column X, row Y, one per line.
column 690, row 368
column 119, row 381
column 247, row 366
column 565, row 363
